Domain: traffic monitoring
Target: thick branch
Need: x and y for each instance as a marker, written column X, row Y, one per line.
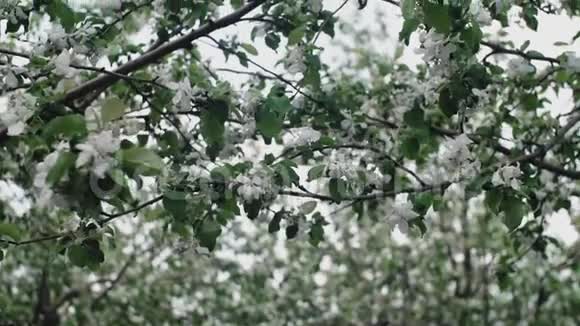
column 160, row 52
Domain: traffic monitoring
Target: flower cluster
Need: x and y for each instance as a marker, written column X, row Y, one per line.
column 20, row 108
column 302, row 136
column 184, row 94
column 97, row 151
column 456, row 157
column 571, row 62
column 480, row 13
column 398, row 213
column 341, row 169
column 44, row 194
column 294, row 62
column 437, row 48
column 10, row 10
column 520, row 67
column 508, row 176
column 62, row 65
column 257, row 184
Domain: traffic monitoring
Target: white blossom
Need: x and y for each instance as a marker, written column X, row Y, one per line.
column 303, row 136
column 315, row 5
column 369, row 106
column 98, row 149
column 159, row 7
column 43, row 168
column 457, row 159
column 436, row 47
column 184, row 93
column 258, row 183
column 10, row 10
column 484, row 96
column 93, row 119
column 294, row 62
column 548, row 184
column 456, row 150
column 11, row 80
column 399, row 213
column 481, row 14
column 502, row 4
column 519, row 67
column 62, row 65
column 250, row 101
column 377, row 179
column 339, row 169
column 299, row 101
column 43, row 193
column 403, row 101
column 20, row 108
column 430, row 88
column 571, row 62
column 57, row 35
column 131, row 126
column 507, row 175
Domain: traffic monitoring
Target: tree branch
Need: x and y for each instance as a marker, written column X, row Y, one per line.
column 114, row 282
column 498, row 49
column 158, row 53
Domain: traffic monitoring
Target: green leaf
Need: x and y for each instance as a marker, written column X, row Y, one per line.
column 208, row 234
column 493, row 199
column 316, row 172
column 316, row 234
column 278, row 104
column 292, row 231
column 437, row 16
column 243, row 58
column 410, row 147
column 87, row 254
column 419, row 224
column 337, row 189
column 409, row 26
column 268, row 123
column 514, row 210
column 529, row 14
column 408, row 8
column 415, row 118
column 67, row 126
column 64, row 163
column 249, row 48
column 312, row 77
column 472, row 37
column 77, row 255
column 274, row 225
column 113, row 108
column 142, row 160
column 237, row 4
column 308, row 207
column 296, row 35
column 272, row 41
column 527, row 43
column 253, row 209
column 212, row 126
column 10, row 230
column 59, row 10
column 270, row 116
column 176, row 205
column 174, row 6
column 447, row 103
